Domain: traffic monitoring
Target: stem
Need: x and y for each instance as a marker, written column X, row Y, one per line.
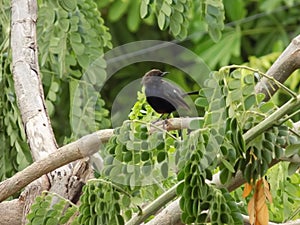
column 157, row 127
column 287, row 90
column 98, row 180
column 269, row 121
column 154, row 206
column 61, row 197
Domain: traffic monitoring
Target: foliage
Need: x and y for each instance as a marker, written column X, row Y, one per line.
column 71, row 45
column 72, row 40
column 285, row 192
column 171, row 15
column 43, row 212
column 102, row 203
column 134, row 153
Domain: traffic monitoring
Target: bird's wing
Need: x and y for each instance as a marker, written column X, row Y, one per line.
column 174, row 95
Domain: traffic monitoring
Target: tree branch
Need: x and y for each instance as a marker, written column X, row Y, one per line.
column 282, row 68
column 11, row 212
column 81, row 148
column 89, row 144
column 30, row 99
column 28, row 86
column 292, row 104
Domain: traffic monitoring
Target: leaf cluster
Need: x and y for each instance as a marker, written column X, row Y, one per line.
column 101, row 203
column 72, row 39
column 43, row 212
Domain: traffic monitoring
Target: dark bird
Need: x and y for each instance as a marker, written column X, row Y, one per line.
column 163, row 96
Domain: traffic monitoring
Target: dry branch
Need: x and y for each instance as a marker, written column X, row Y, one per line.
column 79, row 149
column 282, row 68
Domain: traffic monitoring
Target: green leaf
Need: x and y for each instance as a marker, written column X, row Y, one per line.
column 223, row 50
column 196, row 124
column 133, row 19
column 249, row 102
column 117, row 10
column 78, row 48
column 161, row 20
column 52, row 221
column 164, row 169
column 144, row 9
column 175, row 27
column 266, row 107
column 161, row 156
column 292, row 150
column 166, row 9
column 235, row 9
column 228, row 165
column 225, row 175
column 293, row 167
column 177, row 17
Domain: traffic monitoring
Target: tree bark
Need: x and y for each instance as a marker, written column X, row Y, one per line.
column 79, row 149
column 30, row 98
column 282, row 68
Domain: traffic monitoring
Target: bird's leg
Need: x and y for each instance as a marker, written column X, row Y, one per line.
column 165, row 120
column 158, row 119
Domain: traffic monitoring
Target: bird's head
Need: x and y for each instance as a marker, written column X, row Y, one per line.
column 154, row 73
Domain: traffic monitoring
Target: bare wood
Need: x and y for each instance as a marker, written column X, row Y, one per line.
column 11, row 212
column 28, row 86
column 30, row 98
column 30, row 193
column 282, row 68
column 170, row 215
column 81, row 148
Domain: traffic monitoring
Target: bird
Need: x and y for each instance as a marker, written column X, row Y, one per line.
column 163, row 96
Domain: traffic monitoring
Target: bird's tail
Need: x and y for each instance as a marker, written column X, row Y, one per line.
column 191, row 93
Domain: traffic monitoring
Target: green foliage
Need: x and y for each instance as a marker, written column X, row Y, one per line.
column 196, row 195
column 227, row 47
column 250, row 29
column 15, row 154
column 136, row 158
column 71, row 44
column 243, row 110
column 285, row 189
column 72, row 39
column 42, row 212
column 101, row 203
column 170, row 15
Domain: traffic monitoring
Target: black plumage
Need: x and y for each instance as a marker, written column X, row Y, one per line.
column 163, row 96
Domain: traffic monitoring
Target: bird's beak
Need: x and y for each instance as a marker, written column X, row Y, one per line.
column 164, row 73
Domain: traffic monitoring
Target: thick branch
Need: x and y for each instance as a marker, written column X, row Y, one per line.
column 28, row 86
column 282, row 68
column 81, row 148
column 30, row 98
column 11, row 212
